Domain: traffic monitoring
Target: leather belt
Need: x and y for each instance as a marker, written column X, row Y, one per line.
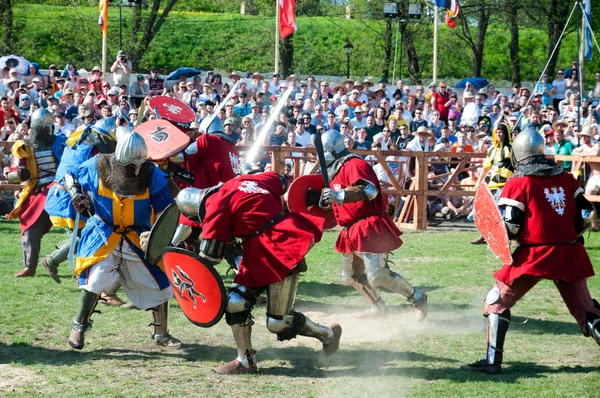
column 263, row 228
column 571, row 242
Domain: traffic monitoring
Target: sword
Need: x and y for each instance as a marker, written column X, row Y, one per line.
column 321, row 156
column 74, row 241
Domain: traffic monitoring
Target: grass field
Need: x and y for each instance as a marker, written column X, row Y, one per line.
column 394, row 357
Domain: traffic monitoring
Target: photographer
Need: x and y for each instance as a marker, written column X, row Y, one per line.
column 121, row 69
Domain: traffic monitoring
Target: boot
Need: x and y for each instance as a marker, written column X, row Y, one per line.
column 82, row 322
column 25, row 273
column 329, row 336
column 419, row 303
column 246, row 359
column 497, row 328
column 478, row 241
column 51, row 268
column 161, row 336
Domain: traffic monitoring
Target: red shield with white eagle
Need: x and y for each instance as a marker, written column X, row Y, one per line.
column 298, row 195
column 172, row 109
column 197, row 287
column 490, row 223
column 162, row 138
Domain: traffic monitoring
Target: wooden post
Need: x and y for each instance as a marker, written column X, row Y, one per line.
column 421, row 171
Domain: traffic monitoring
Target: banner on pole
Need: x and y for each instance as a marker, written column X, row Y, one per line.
column 587, row 29
column 287, row 19
column 103, row 19
column 452, row 6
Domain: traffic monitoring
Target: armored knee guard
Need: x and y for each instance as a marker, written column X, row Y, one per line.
column 238, row 315
column 286, row 327
column 593, row 323
column 160, row 322
column 82, row 322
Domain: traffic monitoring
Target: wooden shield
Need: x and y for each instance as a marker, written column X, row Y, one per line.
column 490, row 223
column 198, row 288
column 172, row 109
column 297, row 199
column 163, row 139
column 162, row 233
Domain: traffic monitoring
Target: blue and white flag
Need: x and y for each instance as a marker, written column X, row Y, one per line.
column 587, row 35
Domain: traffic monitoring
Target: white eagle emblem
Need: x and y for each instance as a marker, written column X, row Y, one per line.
column 235, row 162
column 556, row 198
column 251, row 187
column 173, row 108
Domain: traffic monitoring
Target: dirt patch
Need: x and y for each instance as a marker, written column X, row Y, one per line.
column 12, row 378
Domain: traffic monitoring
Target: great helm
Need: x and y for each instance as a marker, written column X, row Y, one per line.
column 209, row 126
column 131, row 148
column 42, row 118
column 527, row 144
column 333, row 145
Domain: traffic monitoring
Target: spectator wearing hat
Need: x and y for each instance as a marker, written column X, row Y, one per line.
column 358, row 120
column 243, row 108
column 123, row 108
column 228, row 129
column 139, row 89
column 562, row 146
column 230, row 113
column 133, row 117
column 155, row 83
column 121, row 68
column 471, row 112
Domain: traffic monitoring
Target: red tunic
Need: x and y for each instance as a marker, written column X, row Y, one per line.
column 244, row 205
column 550, row 211
column 33, row 207
column 368, row 226
column 216, row 161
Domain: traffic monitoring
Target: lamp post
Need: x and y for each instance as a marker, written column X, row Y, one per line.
column 348, row 49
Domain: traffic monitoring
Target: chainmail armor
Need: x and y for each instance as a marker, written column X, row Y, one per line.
column 114, row 176
column 101, row 142
column 41, row 137
column 337, row 164
column 537, row 165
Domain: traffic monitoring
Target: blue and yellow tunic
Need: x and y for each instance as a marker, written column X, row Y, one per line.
column 118, row 217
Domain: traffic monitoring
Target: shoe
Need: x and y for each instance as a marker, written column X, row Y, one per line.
column 25, row 273
column 483, row 367
column 478, row 241
column 113, row 301
column 420, row 308
column 51, row 269
column 235, row 367
column 166, row 340
column 331, row 348
column 76, row 339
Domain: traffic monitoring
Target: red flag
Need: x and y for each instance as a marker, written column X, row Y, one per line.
column 103, row 19
column 287, row 19
column 449, row 20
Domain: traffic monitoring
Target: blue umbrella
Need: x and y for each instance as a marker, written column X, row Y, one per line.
column 187, row 72
column 478, row 82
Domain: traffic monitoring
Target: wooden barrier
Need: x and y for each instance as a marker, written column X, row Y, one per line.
column 413, row 183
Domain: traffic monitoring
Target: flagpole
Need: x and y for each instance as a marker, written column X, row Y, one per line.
column 277, row 36
column 104, row 53
column 435, row 42
column 580, row 70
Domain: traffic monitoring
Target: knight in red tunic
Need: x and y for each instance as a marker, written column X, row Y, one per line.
column 274, row 244
column 368, row 231
column 542, row 205
column 212, row 158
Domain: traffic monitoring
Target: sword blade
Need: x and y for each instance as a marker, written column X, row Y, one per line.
column 73, row 241
column 321, row 157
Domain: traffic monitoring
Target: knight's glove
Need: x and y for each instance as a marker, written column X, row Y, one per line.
column 329, row 196
column 312, row 197
column 83, row 205
column 144, row 236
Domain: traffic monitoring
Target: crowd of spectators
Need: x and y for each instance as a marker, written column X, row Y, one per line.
column 370, row 115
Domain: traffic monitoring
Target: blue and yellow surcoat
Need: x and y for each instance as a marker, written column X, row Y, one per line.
column 118, row 217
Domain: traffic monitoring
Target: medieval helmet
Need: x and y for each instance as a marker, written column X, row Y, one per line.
column 333, row 145
column 42, row 118
column 192, row 201
column 107, row 125
column 211, row 126
column 527, row 144
column 131, row 149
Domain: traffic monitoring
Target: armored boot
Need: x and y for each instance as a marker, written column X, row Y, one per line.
column 246, row 356
column 497, row 328
column 395, row 282
column 592, row 323
column 329, row 336
column 362, row 286
column 52, row 261
column 82, row 322
column 161, row 336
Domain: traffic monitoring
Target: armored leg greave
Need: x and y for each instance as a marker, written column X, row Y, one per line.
column 497, row 328
column 82, row 321
column 60, row 254
column 361, row 284
column 242, row 335
column 160, row 322
column 593, row 323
